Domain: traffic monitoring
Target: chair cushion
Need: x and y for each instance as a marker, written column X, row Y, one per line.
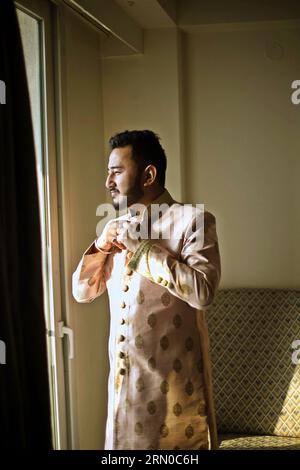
column 239, row 442
column 256, row 384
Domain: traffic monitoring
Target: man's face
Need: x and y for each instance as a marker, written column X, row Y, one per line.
column 123, row 180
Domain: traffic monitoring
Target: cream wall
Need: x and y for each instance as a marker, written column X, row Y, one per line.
column 143, row 92
column 242, row 150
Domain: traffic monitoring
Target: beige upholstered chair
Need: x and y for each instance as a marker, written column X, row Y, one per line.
column 256, row 383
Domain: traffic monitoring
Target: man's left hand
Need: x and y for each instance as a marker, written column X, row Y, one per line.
column 128, row 235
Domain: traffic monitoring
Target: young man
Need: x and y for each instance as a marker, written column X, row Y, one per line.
column 159, row 284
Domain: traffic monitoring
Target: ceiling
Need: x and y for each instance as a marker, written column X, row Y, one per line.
column 150, row 14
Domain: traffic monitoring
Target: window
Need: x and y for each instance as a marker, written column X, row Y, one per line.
column 35, row 26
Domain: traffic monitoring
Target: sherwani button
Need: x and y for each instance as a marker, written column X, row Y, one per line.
column 123, row 321
column 121, row 338
column 122, row 371
column 129, row 271
column 123, row 305
column 125, row 288
column 121, row 354
column 164, row 282
column 159, row 279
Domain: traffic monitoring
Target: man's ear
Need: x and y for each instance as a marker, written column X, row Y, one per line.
column 150, row 173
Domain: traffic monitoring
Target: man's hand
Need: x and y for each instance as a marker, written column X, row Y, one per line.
column 128, row 235
column 108, row 239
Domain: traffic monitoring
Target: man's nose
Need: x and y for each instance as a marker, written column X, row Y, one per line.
column 109, row 182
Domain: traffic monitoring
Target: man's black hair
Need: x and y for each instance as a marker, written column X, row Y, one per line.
column 146, row 150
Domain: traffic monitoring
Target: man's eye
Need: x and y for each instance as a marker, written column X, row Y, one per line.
column 112, row 173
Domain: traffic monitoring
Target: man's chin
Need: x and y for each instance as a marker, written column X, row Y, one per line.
column 116, row 205
column 119, row 203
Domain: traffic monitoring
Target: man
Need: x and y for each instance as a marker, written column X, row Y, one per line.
column 160, row 391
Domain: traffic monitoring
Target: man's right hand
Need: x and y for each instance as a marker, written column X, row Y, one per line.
column 108, row 239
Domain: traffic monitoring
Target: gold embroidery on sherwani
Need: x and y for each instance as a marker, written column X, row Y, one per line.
column 189, row 431
column 177, row 321
column 151, row 407
column 202, row 409
column 164, row 387
column 185, row 289
column 181, row 414
column 177, row 409
column 138, row 428
column 200, row 365
column 189, row 343
column 140, row 297
column 140, row 385
column 152, row 363
column 139, row 343
column 164, row 342
column 127, row 404
column 165, row 299
column 164, row 431
column 152, row 320
column 189, row 388
column 177, row 366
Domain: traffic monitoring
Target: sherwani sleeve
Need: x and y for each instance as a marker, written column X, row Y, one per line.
column 93, row 271
column 194, row 274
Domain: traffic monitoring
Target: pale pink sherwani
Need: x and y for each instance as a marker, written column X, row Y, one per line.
column 160, row 387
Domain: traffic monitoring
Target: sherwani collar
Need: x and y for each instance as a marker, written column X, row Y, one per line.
column 164, row 198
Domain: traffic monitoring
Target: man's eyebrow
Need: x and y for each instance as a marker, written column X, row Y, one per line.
column 114, row 167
